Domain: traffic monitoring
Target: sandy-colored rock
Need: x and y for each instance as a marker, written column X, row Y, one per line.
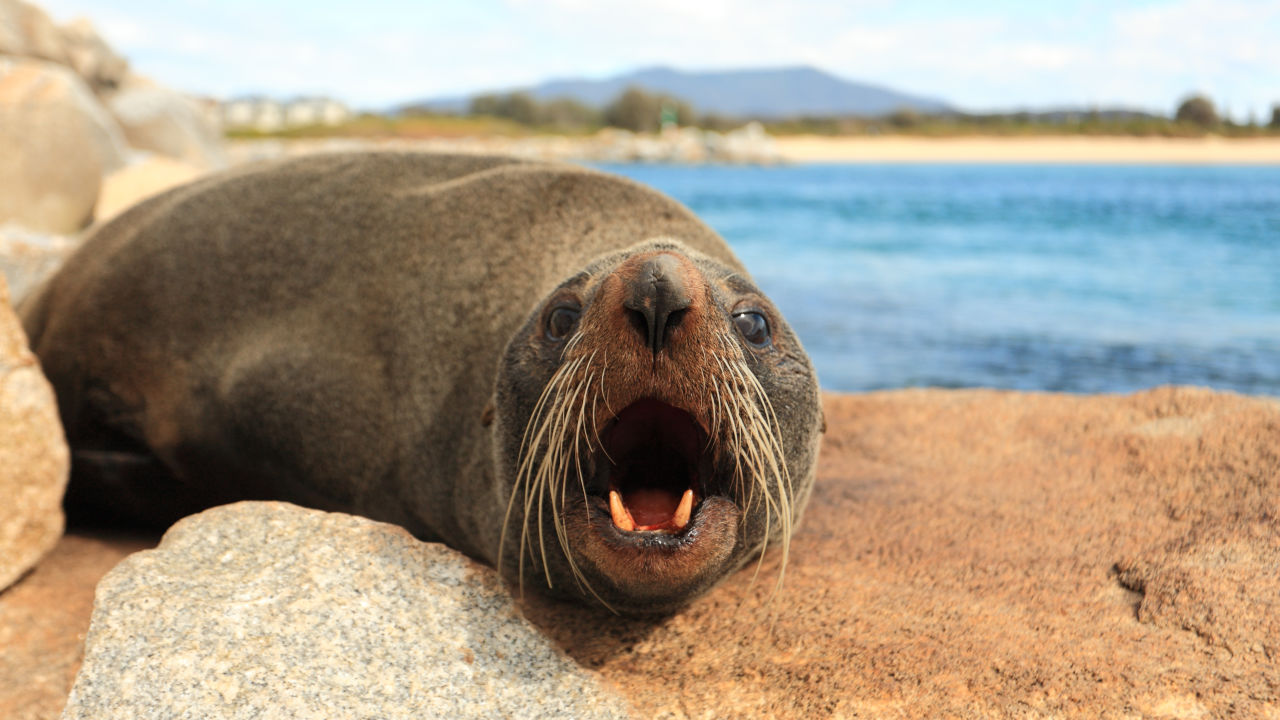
column 138, row 181
column 26, row 31
column 89, row 55
column 27, row 257
column 270, row 610
column 976, row 554
column 167, row 122
column 44, row 619
column 57, row 142
column 33, row 453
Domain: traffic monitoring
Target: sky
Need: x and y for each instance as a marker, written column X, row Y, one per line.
column 978, row 56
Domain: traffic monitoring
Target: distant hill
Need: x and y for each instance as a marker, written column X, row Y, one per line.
column 763, row 93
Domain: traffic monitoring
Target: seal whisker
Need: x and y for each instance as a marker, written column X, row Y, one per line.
column 563, row 452
column 753, row 434
column 549, row 471
column 535, row 430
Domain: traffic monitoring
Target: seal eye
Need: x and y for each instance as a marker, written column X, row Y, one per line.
column 561, row 322
column 753, row 327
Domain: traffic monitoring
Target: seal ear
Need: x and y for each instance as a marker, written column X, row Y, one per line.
column 486, row 417
column 822, row 415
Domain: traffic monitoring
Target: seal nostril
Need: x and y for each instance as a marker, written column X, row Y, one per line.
column 658, row 298
column 641, row 323
column 674, row 318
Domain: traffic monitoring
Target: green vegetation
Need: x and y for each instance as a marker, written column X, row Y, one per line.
column 1197, row 110
column 560, row 115
column 520, row 114
column 639, row 111
column 1194, row 117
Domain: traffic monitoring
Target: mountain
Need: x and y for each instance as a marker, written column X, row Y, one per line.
column 763, row 93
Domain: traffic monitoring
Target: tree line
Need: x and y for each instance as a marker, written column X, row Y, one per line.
column 640, row 110
column 633, row 109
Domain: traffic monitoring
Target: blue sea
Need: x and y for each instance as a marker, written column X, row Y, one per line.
column 1068, row 278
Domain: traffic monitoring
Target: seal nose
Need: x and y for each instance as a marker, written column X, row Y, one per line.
column 657, row 299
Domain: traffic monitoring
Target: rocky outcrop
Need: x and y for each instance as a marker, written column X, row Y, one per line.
column 57, row 137
column 966, row 553
column 33, row 454
column 748, row 145
column 57, row 143
column 270, row 610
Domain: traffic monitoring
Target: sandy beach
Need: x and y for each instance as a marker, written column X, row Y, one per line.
column 1084, row 150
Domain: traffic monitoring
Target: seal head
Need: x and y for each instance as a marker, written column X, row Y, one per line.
column 657, row 424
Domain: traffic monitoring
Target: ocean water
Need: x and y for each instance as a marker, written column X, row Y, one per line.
column 1066, row 278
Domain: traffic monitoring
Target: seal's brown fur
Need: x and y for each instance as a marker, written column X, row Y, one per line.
column 339, row 331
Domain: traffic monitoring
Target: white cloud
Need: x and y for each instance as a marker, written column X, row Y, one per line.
column 383, row 51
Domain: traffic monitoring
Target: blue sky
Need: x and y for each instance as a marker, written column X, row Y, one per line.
column 978, row 55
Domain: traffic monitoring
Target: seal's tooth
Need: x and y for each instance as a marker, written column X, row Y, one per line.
column 621, row 518
column 683, row 510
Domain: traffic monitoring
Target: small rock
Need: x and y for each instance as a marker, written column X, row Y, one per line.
column 129, row 185
column 34, row 461
column 27, row 257
column 57, row 142
column 269, row 610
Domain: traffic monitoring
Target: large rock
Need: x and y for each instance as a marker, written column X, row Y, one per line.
column 89, row 55
column 26, row 31
column 167, row 122
column 269, row 610
column 33, row 454
column 57, row 142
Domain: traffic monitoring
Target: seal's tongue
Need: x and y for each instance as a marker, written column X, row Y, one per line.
column 654, row 448
column 650, row 509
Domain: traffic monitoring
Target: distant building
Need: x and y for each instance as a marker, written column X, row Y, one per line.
column 267, row 115
column 315, row 111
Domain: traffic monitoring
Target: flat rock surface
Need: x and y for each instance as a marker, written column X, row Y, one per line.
column 966, row 554
column 33, row 453
column 994, row 554
column 270, row 610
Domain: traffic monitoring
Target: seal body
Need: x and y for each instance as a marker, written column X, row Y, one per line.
column 552, row 369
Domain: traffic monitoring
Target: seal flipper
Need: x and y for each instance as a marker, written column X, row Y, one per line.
column 115, row 478
column 114, row 487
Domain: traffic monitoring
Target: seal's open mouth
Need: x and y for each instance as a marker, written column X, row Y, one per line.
column 655, row 468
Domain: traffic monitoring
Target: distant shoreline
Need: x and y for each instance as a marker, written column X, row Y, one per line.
column 1068, row 150
column 688, row 147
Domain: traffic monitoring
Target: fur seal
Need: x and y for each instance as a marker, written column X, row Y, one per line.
column 555, row 370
